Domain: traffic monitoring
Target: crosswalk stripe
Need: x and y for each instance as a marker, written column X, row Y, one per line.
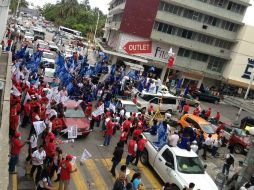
column 149, row 175
column 108, row 164
column 95, row 174
column 79, row 180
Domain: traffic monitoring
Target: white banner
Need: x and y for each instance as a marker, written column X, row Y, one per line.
column 39, row 127
column 15, row 91
column 28, row 97
column 72, row 132
column 85, row 155
column 99, row 111
column 112, row 107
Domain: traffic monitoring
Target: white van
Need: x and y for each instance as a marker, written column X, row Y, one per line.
column 169, row 102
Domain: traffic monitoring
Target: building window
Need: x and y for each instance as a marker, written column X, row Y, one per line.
column 156, row 25
column 183, row 52
column 223, row 44
column 211, row 20
column 216, row 64
column 205, row 39
column 170, row 8
column 199, row 56
column 237, row 8
column 229, row 26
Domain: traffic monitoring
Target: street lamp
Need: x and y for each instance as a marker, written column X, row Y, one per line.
column 245, row 97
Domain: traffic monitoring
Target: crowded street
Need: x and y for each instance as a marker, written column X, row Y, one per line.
column 85, row 115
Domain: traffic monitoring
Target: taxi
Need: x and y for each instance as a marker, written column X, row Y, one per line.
column 198, row 123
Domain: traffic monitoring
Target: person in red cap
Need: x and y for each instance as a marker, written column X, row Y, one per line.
column 109, row 132
column 14, row 120
column 124, row 135
column 140, row 149
column 50, row 151
column 135, row 99
column 137, row 132
column 186, row 109
column 217, row 117
column 16, row 146
column 208, row 113
column 66, row 170
column 150, row 110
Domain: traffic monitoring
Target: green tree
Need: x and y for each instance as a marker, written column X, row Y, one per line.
column 14, row 4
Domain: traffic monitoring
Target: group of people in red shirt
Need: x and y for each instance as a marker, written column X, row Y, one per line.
column 29, row 103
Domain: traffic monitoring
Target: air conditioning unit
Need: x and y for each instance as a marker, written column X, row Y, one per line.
column 205, row 26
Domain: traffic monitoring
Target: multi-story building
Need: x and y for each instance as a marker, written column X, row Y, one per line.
column 201, row 33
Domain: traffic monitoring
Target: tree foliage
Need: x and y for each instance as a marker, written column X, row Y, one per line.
column 75, row 15
column 14, row 4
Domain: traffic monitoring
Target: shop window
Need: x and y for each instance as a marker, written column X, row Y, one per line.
column 183, row 52
column 199, row 56
column 216, row 64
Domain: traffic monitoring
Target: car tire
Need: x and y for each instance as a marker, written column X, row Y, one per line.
column 238, row 149
column 144, row 158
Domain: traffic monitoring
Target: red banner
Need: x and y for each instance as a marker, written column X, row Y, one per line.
column 138, row 47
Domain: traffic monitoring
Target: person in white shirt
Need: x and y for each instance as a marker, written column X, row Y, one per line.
column 207, row 144
column 38, row 157
column 158, row 84
column 215, row 146
column 32, row 146
column 173, row 139
column 194, row 146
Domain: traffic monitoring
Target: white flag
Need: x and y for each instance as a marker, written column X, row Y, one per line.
column 112, row 107
column 28, row 97
column 39, row 127
column 15, row 91
column 85, row 155
column 72, row 132
column 99, row 111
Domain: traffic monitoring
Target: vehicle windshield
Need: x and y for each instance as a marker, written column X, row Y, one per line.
column 189, row 165
column 48, row 56
column 131, row 108
column 208, row 128
column 74, row 113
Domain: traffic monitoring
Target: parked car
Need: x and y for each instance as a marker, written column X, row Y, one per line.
column 130, row 107
column 68, row 53
column 48, row 58
column 247, row 121
column 206, row 95
column 179, row 166
column 237, row 138
column 29, row 37
column 198, row 123
column 53, row 47
column 190, row 100
column 74, row 115
column 41, row 46
column 168, row 103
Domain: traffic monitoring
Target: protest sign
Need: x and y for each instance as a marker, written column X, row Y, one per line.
column 99, row 111
column 72, row 132
column 39, row 127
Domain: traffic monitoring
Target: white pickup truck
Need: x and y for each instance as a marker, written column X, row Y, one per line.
column 176, row 166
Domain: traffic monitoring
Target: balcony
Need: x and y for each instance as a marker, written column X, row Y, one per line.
column 118, row 9
column 209, row 9
column 190, row 44
column 193, row 25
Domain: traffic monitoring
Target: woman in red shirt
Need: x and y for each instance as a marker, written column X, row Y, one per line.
column 108, row 132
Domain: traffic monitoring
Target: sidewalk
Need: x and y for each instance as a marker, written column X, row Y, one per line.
column 247, row 105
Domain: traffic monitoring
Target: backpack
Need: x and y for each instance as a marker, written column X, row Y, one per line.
column 118, row 185
column 230, row 160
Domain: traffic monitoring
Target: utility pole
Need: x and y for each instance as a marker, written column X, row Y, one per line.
column 245, row 97
column 16, row 14
column 96, row 28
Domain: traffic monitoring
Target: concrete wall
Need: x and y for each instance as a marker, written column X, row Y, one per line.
column 242, row 51
column 4, row 129
column 4, row 9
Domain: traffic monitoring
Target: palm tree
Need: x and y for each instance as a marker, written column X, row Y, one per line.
column 14, row 4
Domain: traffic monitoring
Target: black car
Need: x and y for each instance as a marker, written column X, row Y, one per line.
column 206, row 96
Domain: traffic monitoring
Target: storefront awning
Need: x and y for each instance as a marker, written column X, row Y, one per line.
column 112, row 52
column 134, row 66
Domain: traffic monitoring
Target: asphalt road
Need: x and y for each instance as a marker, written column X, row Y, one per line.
column 94, row 173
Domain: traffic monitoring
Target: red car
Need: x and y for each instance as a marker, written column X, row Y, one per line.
column 74, row 115
column 237, row 138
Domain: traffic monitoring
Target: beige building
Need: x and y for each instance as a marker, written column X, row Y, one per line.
column 202, row 33
column 4, row 9
column 238, row 71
